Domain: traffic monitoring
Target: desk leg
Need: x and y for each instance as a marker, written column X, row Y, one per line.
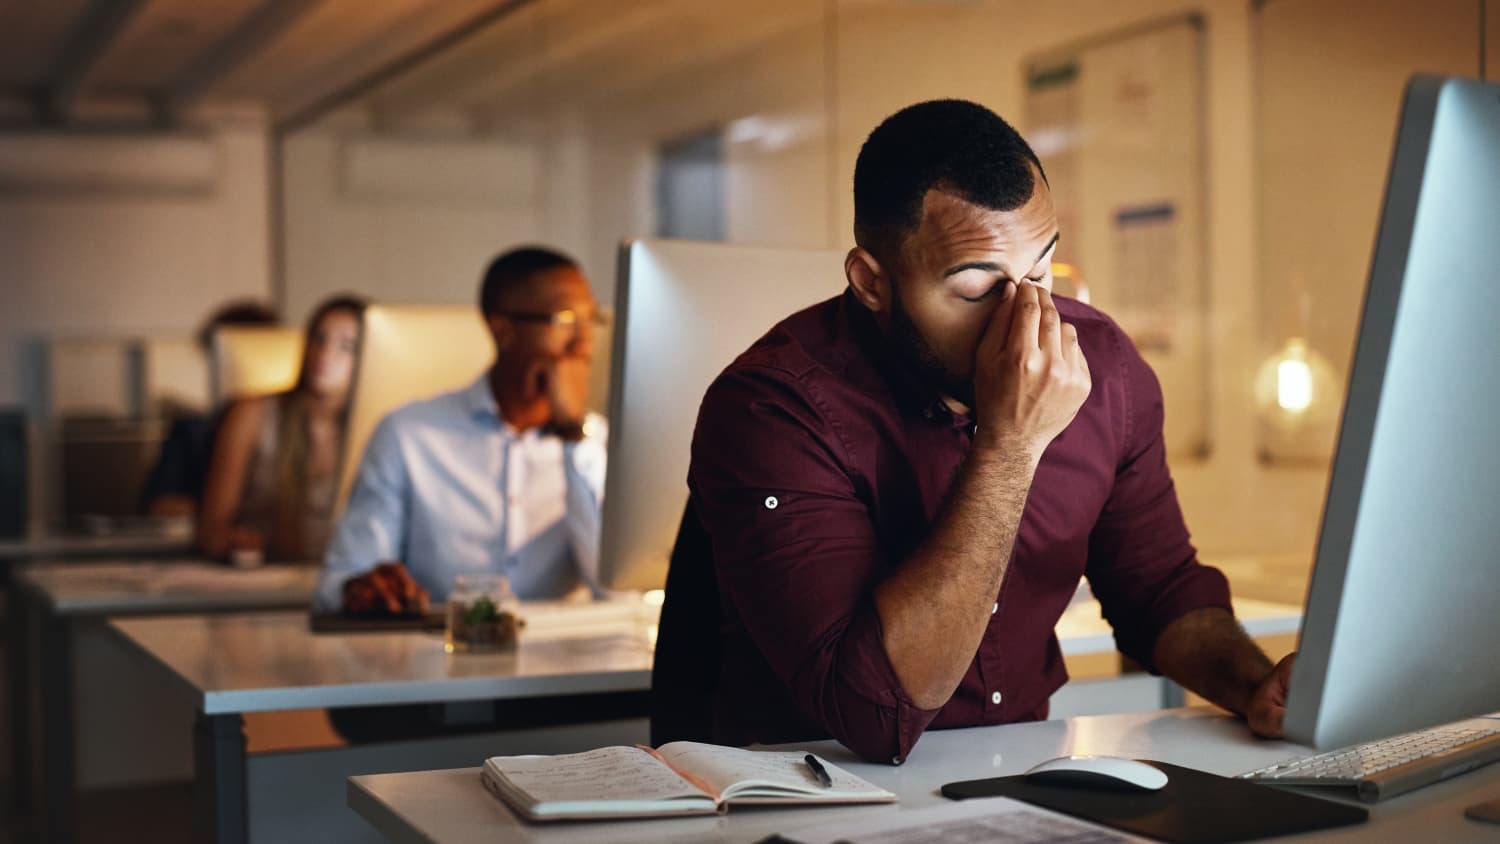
column 219, row 814
column 18, row 689
column 56, row 656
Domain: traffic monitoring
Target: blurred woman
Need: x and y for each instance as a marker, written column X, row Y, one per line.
column 274, row 474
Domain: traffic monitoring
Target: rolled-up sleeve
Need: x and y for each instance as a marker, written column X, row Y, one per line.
column 1141, row 564
column 797, row 555
column 373, row 527
column 583, row 468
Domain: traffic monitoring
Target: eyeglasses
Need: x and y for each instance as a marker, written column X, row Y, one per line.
column 566, row 320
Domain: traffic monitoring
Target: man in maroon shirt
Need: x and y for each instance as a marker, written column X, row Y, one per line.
column 894, row 493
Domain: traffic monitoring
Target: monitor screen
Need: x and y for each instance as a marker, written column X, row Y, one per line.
column 683, row 312
column 1403, row 612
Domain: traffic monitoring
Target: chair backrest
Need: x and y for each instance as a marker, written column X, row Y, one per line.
column 407, row 353
column 253, row 360
column 685, row 671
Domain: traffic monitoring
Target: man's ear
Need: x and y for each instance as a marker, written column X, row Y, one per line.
column 869, row 281
column 501, row 331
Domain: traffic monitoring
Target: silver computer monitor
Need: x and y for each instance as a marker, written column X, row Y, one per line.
column 1403, row 613
column 683, row 312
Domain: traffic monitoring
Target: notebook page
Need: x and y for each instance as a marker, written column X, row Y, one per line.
column 733, row 771
column 606, row 775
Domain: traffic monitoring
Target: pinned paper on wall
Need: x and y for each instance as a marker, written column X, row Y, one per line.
column 1145, row 283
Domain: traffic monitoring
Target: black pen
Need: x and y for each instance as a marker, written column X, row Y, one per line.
column 818, row 770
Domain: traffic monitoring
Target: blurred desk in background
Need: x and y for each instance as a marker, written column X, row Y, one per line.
column 69, row 710
column 228, row 666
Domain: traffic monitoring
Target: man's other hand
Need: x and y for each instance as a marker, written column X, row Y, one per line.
column 386, row 589
column 1267, row 707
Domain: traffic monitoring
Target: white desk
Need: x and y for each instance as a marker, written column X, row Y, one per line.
column 53, row 603
column 452, row 807
column 230, row 665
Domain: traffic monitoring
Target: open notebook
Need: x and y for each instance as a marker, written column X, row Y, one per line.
column 680, row 778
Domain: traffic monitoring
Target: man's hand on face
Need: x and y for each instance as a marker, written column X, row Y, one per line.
column 1267, row 707
column 1030, row 376
column 564, row 380
column 387, row 589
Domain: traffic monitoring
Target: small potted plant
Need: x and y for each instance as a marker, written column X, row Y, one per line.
column 482, row 615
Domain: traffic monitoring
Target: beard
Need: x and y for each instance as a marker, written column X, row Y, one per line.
column 923, row 359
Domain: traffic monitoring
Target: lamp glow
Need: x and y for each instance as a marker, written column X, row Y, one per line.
column 1294, row 385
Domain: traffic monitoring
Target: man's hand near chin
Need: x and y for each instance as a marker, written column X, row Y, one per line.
column 565, row 381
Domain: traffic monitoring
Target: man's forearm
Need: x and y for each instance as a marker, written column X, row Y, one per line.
column 934, row 609
column 1208, row 652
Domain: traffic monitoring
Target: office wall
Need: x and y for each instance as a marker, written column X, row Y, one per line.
column 403, row 219
column 772, row 103
column 1492, row 40
column 86, row 257
column 1327, row 119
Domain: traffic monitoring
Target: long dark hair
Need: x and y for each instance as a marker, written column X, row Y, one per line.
column 292, row 436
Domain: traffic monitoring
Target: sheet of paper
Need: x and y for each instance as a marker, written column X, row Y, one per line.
column 992, row 820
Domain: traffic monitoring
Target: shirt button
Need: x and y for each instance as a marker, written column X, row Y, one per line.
column 995, row 698
column 996, row 608
column 772, row 503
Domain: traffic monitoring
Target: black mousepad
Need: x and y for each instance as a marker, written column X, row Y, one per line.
column 1194, row 807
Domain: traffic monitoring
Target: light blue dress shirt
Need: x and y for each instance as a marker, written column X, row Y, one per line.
column 447, row 487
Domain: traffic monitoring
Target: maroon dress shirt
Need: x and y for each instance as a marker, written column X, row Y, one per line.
column 819, row 463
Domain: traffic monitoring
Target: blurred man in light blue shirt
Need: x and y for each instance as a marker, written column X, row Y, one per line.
column 503, row 477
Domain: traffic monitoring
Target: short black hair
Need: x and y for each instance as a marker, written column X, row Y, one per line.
column 240, row 312
column 953, row 145
column 515, row 269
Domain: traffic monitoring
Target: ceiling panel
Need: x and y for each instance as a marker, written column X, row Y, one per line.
column 583, row 50
column 319, row 39
column 686, row 38
column 164, row 39
column 443, row 28
column 32, row 33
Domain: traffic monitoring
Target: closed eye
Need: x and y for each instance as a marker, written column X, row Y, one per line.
column 999, row 285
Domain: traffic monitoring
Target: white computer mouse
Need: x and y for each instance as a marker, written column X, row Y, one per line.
column 1101, row 772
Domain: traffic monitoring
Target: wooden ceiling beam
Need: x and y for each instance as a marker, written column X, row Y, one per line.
column 259, row 30
column 96, row 29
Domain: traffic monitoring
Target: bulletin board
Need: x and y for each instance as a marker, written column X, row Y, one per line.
column 1118, row 123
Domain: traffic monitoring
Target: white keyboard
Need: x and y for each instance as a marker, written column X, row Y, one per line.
column 1396, row 765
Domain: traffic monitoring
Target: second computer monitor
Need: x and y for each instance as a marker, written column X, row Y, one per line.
column 683, row 312
column 1403, row 614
